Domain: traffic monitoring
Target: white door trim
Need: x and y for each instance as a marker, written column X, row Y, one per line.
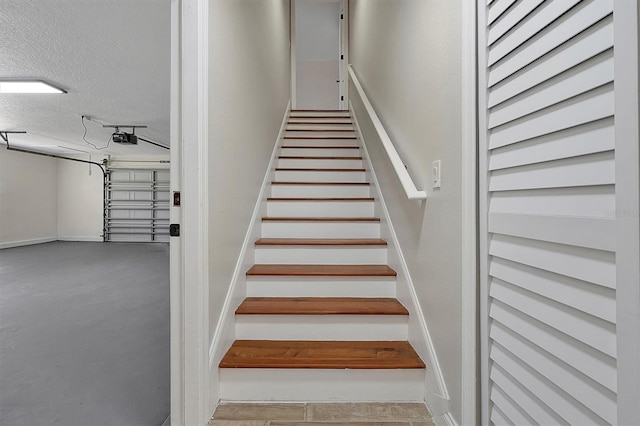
column 175, row 287
column 189, row 252
column 292, row 52
column 626, row 17
column 483, row 247
column 469, row 217
column 344, row 63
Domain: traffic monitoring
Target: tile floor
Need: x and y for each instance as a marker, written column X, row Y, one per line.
column 325, row 414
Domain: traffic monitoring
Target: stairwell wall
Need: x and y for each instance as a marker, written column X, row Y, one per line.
column 249, row 85
column 407, row 57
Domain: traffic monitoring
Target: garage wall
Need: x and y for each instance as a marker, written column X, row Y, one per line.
column 79, row 202
column 407, row 56
column 28, row 199
column 44, row 199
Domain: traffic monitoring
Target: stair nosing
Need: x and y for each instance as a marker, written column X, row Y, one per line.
column 320, row 147
column 384, row 306
column 409, row 359
column 322, row 137
column 301, row 270
column 322, row 242
column 319, row 130
column 320, row 219
column 311, row 157
column 275, row 182
column 326, row 123
column 301, row 169
column 303, row 199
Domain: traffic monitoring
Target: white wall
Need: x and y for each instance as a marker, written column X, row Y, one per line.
column 249, row 85
column 317, row 44
column 79, row 201
column 28, row 199
column 408, row 59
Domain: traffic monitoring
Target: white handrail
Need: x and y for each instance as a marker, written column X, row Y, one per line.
column 406, row 181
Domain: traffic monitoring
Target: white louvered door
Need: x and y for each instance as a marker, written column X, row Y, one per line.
column 558, row 159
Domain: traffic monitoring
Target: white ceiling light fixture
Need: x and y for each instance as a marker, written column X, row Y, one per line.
column 28, row 86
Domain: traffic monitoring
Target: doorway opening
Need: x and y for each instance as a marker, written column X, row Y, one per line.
column 319, row 54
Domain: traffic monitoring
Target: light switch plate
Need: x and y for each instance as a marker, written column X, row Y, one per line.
column 435, row 174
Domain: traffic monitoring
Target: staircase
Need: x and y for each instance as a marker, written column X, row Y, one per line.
column 321, row 321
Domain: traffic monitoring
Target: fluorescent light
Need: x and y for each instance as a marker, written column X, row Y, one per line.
column 28, row 86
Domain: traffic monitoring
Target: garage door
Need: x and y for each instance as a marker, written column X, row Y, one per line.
column 137, row 205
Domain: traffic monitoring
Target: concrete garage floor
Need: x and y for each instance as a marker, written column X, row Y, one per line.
column 84, row 334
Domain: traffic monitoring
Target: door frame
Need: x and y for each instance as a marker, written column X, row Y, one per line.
column 189, row 288
column 344, row 41
column 470, row 404
column 626, row 17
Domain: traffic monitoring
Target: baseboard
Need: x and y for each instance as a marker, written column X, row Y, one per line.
column 12, row 244
column 82, row 239
column 438, row 405
column 444, row 420
column 167, row 421
column 225, row 332
column 436, row 395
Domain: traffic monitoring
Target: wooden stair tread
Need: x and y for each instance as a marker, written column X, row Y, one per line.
column 320, row 137
column 318, row 183
column 321, row 122
column 321, row 242
column 321, row 270
column 321, row 147
column 320, row 130
column 310, row 157
column 319, row 219
column 321, row 306
column 321, row 116
column 321, row 355
column 321, row 199
column 299, row 169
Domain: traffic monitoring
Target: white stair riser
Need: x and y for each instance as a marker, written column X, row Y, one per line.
column 324, row 134
column 301, row 255
column 321, row 287
column 320, row 142
column 309, row 119
column 321, row 152
column 321, row 191
column 320, row 113
column 271, row 229
column 274, row 384
column 315, row 176
column 320, row 208
column 320, row 163
column 322, row 125
column 322, row 327
column 319, row 126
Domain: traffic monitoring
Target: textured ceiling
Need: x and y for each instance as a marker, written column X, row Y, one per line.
column 111, row 56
